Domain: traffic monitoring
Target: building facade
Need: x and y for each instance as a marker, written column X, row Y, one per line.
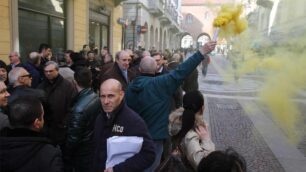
column 197, row 21
column 63, row 24
column 279, row 19
column 152, row 24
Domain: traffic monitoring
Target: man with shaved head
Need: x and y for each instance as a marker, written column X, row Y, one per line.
column 151, row 95
column 117, row 119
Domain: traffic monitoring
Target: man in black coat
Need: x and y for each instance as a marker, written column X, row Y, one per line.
column 24, row 148
column 60, row 93
column 79, row 143
column 117, row 119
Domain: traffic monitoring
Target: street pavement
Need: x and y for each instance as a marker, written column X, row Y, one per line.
column 238, row 120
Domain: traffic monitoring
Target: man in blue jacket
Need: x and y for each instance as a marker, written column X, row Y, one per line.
column 117, row 119
column 150, row 96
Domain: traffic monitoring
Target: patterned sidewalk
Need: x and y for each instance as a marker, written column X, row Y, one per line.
column 253, row 134
column 231, row 127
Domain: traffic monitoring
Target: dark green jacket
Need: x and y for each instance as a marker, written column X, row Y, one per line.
column 151, row 96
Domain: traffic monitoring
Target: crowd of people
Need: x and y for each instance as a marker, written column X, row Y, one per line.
column 60, row 114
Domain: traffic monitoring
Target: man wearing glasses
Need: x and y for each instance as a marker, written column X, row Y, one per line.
column 21, row 80
column 14, row 58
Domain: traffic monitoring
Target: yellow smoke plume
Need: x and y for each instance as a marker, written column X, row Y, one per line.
column 229, row 20
column 279, row 90
column 283, row 70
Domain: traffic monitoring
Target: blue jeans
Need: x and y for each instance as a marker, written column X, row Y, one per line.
column 158, row 144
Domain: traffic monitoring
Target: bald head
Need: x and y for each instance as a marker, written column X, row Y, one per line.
column 34, row 58
column 148, row 65
column 111, row 95
column 111, row 83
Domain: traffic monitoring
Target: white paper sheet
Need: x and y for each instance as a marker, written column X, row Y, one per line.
column 120, row 148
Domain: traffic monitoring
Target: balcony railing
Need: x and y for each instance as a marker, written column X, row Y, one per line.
column 155, row 7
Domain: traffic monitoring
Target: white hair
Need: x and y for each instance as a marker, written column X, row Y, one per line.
column 14, row 75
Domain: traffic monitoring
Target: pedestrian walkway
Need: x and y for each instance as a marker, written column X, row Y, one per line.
column 237, row 120
column 231, row 127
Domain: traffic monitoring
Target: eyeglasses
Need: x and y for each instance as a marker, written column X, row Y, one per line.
column 27, row 75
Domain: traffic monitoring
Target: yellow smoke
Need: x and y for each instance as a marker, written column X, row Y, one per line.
column 283, row 68
column 229, row 20
column 279, row 90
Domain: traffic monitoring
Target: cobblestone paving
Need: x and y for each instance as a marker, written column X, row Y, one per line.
column 302, row 144
column 232, row 128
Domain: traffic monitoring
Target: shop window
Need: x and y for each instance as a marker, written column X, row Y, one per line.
column 41, row 21
column 98, row 35
column 52, row 7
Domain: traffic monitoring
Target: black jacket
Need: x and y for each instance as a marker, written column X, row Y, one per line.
column 79, row 143
column 23, row 150
column 23, row 90
column 60, row 94
column 130, row 124
column 114, row 71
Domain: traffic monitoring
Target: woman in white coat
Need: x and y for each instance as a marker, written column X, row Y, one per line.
column 188, row 128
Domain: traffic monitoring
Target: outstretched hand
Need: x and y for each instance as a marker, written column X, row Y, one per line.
column 208, row 47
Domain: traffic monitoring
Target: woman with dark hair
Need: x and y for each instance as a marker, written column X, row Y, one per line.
column 3, row 72
column 189, row 130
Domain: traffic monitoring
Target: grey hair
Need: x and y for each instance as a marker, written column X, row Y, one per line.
column 34, row 57
column 16, row 53
column 52, row 63
column 120, row 54
column 176, row 57
column 14, row 75
column 148, row 65
column 146, row 53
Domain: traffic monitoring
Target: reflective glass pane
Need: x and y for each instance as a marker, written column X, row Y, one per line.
column 94, row 35
column 55, row 7
column 33, row 30
column 57, row 35
column 105, row 36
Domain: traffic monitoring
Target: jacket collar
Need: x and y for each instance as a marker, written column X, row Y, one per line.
column 56, row 80
column 147, row 74
column 113, row 115
column 20, row 132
